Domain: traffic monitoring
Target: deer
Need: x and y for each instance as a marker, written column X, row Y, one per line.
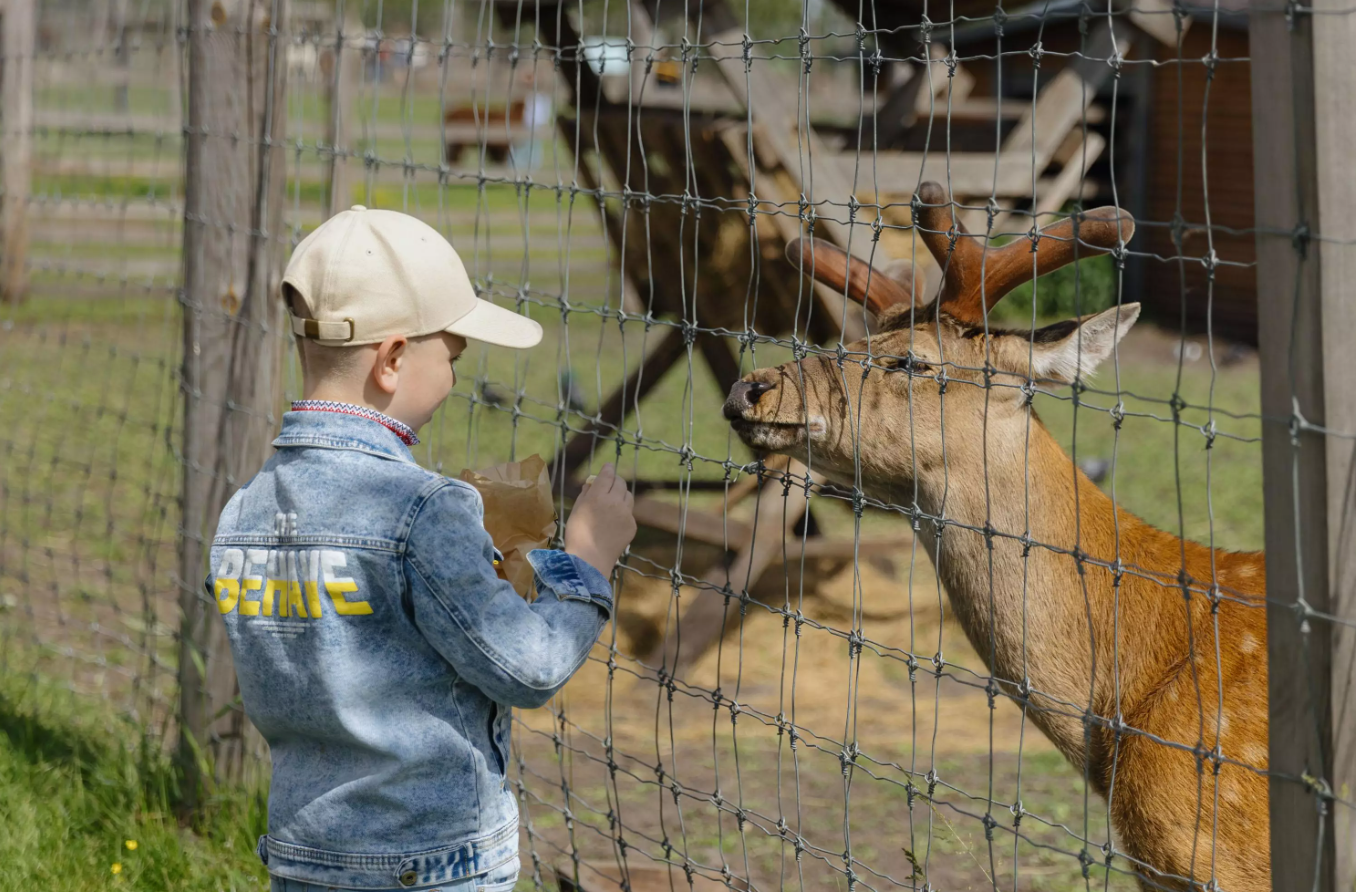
column 1140, row 655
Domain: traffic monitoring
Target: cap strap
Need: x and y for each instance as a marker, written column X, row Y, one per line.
column 316, row 330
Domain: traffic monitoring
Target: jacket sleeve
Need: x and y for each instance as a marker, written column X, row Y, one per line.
column 517, row 653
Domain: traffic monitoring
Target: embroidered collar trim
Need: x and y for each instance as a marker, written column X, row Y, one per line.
column 395, row 426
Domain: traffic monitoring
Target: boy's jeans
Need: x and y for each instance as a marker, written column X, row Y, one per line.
column 501, row 879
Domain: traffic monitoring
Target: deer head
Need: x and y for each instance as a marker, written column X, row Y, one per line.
column 880, row 409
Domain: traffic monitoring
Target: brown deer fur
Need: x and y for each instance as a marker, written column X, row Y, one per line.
column 1168, row 666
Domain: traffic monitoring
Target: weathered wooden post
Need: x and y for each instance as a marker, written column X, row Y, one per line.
column 1304, row 110
column 342, row 87
column 233, row 335
column 20, row 46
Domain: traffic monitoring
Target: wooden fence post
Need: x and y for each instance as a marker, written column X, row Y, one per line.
column 233, row 336
column 343, row 92
column 20, row 46
column 1304, row 110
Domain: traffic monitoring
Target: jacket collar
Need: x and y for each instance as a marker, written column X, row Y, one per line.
column 336, row 430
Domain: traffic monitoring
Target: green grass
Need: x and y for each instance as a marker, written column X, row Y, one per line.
column 85, row 808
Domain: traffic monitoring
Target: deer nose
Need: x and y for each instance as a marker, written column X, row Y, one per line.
column 743, row 395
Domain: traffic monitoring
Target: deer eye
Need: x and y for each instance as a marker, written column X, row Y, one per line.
column 906, row 363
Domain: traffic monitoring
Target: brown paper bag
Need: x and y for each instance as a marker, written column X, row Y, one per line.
column 519, row 513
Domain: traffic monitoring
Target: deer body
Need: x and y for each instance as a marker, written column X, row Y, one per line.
column 1137, row 677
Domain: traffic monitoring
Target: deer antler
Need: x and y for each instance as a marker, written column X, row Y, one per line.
column 868, row 286
column 974, row 279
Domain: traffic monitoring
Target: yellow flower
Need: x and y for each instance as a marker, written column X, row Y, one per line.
column 116, row 868
column 131, row 845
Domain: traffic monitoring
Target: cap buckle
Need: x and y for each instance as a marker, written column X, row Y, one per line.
column 310, row 329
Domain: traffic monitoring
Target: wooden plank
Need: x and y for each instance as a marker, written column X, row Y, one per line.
column 1061, row 105
column 772, row 101
column 835, row 303
column 20, row 43
column 1062, row 102
column 894, row 175
column 1158, row 19
column 708, row 527
column 233, row 339
column 1054, row 192
column 1304, row 123
column 1064, row 184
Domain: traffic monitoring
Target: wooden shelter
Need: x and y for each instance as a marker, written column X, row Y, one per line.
column 715, row 182
column 1183, row 129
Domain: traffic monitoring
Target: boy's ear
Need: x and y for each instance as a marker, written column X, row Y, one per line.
column 1068, row 350
column 385, row 369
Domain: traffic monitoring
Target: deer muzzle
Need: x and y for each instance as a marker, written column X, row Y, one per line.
column 744, row 395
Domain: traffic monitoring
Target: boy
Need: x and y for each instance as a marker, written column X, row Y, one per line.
column 378, row 652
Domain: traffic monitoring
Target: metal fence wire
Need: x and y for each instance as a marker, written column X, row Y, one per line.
column 950, row 593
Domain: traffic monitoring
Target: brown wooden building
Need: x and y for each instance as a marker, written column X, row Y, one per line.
column 1178, row 119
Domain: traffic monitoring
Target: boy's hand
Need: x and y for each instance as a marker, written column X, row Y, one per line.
column 601, row 524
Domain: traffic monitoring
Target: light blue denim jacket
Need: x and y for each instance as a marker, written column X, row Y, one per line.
column 379, row 655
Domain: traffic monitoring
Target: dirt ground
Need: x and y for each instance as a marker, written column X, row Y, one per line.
column 836, row 762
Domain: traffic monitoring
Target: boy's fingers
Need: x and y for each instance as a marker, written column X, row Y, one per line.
column 607, row 477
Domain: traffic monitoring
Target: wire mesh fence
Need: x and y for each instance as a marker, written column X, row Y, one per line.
column 892, row 620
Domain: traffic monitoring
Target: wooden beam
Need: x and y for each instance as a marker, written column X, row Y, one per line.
column 712, row 527
column 1062, row 102
column 661, row 356
column 1159, row 19
column 20, row 45
column 233, row 337
column 710, row 614
column 1304, row 124
column 708, row 527
column 772, row 100
column 1054, row 192
column 846, row 315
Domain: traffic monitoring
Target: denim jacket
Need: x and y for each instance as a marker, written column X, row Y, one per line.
column 379, row 655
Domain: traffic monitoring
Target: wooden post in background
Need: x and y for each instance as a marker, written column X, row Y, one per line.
column 233, row 337
column 174, row 72
column 342, row 86
column 20, row 45
column 1304, row 127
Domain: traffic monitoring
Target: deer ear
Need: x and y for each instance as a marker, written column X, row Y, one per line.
column 1068, row 350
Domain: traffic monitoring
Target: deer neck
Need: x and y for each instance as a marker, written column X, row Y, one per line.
column 1040, row 618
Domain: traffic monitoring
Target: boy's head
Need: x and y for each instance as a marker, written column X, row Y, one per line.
column 381, row 307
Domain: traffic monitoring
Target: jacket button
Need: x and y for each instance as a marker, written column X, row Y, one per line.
column 408, row 878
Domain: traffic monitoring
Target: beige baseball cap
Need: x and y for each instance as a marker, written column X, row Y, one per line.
column 365, row 275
